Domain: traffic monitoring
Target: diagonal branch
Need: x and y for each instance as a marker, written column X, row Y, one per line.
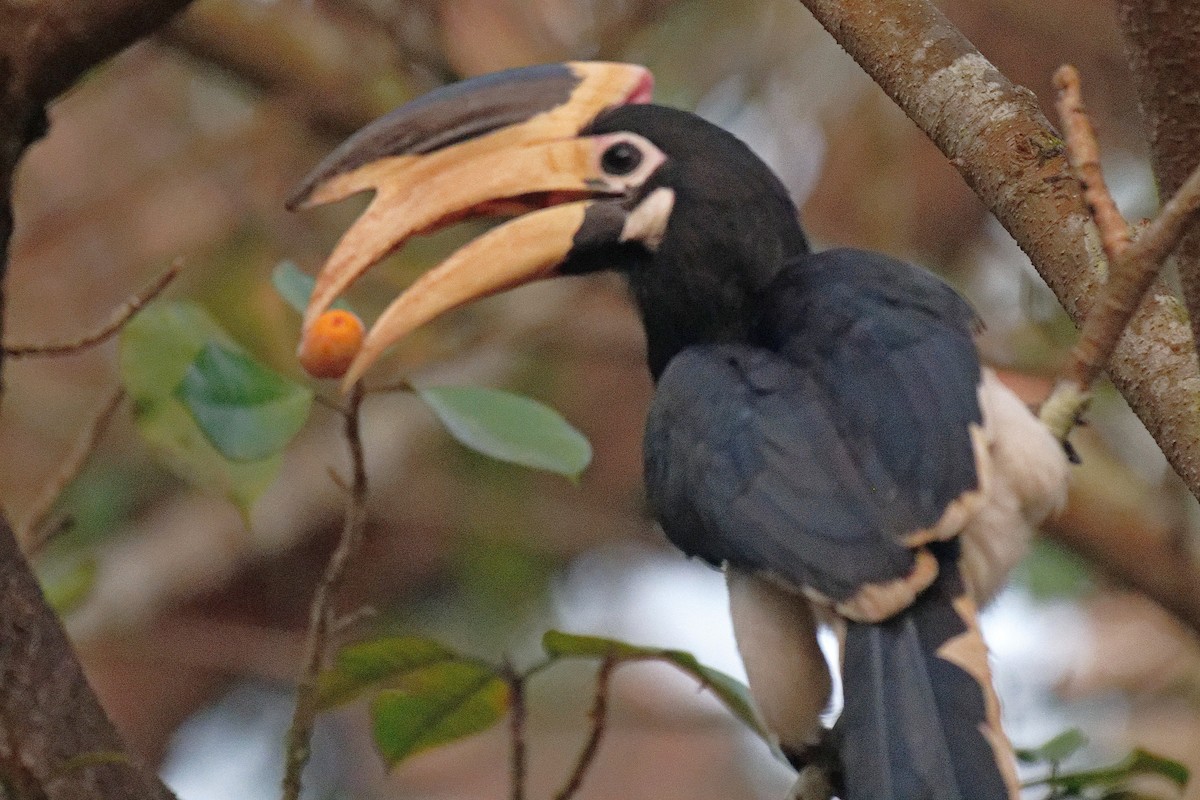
column 37, row 531
column 1133, row 264
column 996, row 135
column 117, row 320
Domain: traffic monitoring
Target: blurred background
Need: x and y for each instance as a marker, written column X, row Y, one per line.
column 190, row 616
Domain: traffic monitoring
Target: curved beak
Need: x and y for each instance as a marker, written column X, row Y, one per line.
column 498, row 144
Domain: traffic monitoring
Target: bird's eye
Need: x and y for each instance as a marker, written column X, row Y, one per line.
column 621, row 159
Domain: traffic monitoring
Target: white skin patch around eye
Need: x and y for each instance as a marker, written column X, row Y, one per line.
column 652, row 159
column 648, row 222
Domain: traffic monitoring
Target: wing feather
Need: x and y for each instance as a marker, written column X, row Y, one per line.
column 812, row 452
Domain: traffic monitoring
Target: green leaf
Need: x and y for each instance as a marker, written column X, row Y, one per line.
column 1050, row 571
column 67, row 582
column 295, row 286
column 375, row 663
column 509, row 427
column 731, row 692
column 158, row 347
column 1139, row 762
column 440, row 704
column 247, row 411
column 559, row 644
column 1055, row 751
column 1142, row 762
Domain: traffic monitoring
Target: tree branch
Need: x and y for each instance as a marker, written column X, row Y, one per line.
column 322, row 616
column 1163, row 45
column 117, row 320
column 1133, row 264
column 997, row 137
column 599, row 718
column 1083, row 153
column 36, row 531
column 337, row 79
column 52, row 729
column 55, row 739
column 518, row 759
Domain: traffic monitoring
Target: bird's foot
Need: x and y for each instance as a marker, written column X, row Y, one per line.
column 812, row 783
column 819, row 769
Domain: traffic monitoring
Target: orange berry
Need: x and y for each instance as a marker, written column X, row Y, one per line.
column 331, row 344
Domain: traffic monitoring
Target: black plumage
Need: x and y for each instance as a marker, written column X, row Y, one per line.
column 836, row 427
column 821, row 428
column 813, row 411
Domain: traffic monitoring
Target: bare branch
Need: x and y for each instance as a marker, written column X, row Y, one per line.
column 322, row 616
column 1132, row 266
column 1142, row 559
column 50, row 720
column 518, row 761
column 1083, row 152
column 35, row 532
column 119, row 318
column 1007, row 152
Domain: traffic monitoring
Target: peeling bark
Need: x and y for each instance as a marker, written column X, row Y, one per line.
column 996, row 135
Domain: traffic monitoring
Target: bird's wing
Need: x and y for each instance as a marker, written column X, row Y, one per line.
column 745, row 465
column 823, row 459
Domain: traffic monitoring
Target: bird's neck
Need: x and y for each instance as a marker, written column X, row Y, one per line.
column 704, row 297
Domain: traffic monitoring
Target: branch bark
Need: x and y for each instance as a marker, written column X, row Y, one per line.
column 56, row 743
column 44, row 48
column 1163, row 45
column 55, row 739
column 996, row 136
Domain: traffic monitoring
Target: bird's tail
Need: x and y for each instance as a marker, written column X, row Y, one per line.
column 921, row 719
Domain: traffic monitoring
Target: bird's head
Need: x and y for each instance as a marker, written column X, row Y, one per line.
column 594, row 177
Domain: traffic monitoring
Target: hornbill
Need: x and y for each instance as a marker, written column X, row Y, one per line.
column 822, row 429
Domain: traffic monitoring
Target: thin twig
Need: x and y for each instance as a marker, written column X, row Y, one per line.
column 996, row 135
column 119, row 318
column 321, row 619
column 1106, row 319
column 1083, row 153
column 343, row 624
column 599, row 717
column 36, row 531
column 1159, row 238
column 518, row 758
column 1132, row 264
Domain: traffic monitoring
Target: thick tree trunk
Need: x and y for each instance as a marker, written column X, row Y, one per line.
column 55, row 739
column 1163, row 43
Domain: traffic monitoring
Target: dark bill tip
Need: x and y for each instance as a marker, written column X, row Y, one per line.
column 448, row 115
